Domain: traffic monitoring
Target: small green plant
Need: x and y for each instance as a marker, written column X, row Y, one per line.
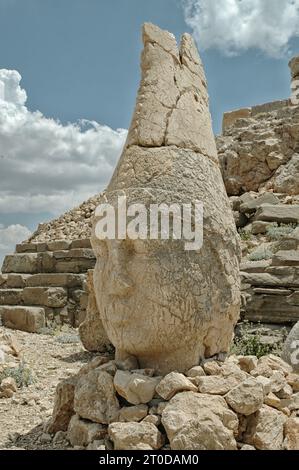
column 277, row 232
column 249, row 342
column 22, row 375
column 260, row 254
column 245, row 235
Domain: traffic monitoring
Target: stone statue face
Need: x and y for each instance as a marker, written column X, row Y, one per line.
column 155, row 300
column 139, row 285
column 163, row 305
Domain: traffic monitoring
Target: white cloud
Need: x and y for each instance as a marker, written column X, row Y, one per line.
column 234, row 26
column 46, row 166
column 10, row 236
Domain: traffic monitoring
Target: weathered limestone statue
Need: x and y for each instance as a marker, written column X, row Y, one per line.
column 167, row 307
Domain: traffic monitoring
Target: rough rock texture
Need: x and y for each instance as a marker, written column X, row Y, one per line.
column 259, row 149
column 74, row 224
column 82, row 432
column 135, row 436
column 91, row 330
column 170, row 157
column 259, row 409
column 266, row 429
column 95, row 397
column 135, row 388
column 291, row 348
column 199, row 422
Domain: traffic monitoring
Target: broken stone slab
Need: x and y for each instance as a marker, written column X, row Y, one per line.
column 59, row 245
column 95, row 397
column 74, row 266
column 82, row 432
column 135, row 388
column 291, row 431
column 264, row 290
column 55, row 280
column 286, row 258
column 81, row 243
column 270, row 309
column 282, row 214
column 246, row 398
column 251, row 206
column 260, row 228
column 11, row 296
column 17, row 281
column 266, row 429
column 63, row 406
column 255, row 266
column 26, row 248
column 174, row 383
column 133, row 413
column 30, row 319
column 196, row 421
column 21, row 263
column 273, row 277
column 82, row 253
column 216, row 385
column 231, row 117
column 293, row 299
column 53, row 297
column 133, row 436
column 3, row 279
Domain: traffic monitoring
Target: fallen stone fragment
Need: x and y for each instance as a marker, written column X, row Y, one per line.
column 134, row 436
column 247, row 397
column 82, row 432
column 135, row 388
column 172, row 384
column 95, row 397
column 266, row 429
column 196, row 421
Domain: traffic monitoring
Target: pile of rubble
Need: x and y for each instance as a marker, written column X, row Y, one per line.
column 244, row 403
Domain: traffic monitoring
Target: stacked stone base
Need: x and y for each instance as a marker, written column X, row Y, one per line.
column 243, row 403
column 45, row 282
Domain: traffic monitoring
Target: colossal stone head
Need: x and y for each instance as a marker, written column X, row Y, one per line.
column 167, row 306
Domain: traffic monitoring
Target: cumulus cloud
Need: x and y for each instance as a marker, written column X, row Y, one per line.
column 10, row 236
column 46, row 166
column 234, row 26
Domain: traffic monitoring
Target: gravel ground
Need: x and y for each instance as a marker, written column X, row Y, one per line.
column 23, row 416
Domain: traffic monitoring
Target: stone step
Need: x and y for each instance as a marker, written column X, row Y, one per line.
column 28, row 263
column 52, row 246
column 280, row 213
column 75, row 253
column 56, row 280
column 286, row 258
column 75, row 266
column 11, row 296
column 53, row 297
column 30, row 319
column 275, row 276
column 273, row 308
column 77, row 260
column 19, row 281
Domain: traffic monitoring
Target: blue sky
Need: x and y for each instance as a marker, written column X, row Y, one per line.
column 79, row 59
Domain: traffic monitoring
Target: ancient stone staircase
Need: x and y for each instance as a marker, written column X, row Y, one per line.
column 43, row 283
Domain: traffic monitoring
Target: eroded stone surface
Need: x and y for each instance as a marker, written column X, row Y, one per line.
column 170, row 157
